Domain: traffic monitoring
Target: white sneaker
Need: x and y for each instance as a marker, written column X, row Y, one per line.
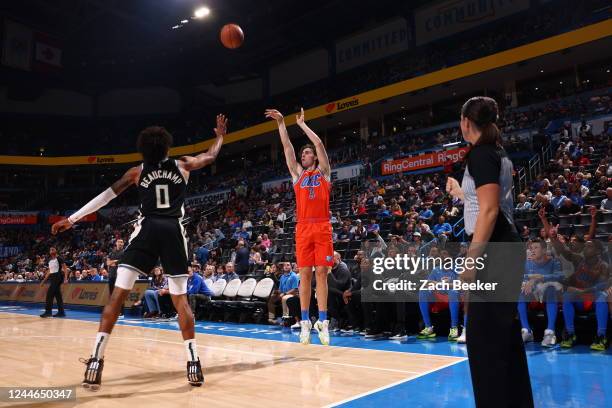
column 296, row 326
column 463, row 338
column 305, row 327
column 322, row 327
column 527, row 335
column 549, row 339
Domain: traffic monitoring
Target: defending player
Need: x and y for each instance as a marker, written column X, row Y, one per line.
column 162, row 185
column 313, row 235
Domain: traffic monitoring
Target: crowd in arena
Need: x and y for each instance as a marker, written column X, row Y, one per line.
column 250, row 235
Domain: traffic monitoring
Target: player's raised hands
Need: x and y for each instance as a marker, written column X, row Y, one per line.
column 299, row 118
column 61, row 226
column 274, row 114
column 221, row 129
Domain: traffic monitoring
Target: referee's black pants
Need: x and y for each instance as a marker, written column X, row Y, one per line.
column 498, row 364
column 55, row 292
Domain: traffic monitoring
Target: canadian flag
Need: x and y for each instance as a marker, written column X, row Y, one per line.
column 48, row 53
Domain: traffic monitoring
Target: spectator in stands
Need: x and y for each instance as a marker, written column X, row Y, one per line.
column 541, row 283
column 197, row 291
column 281, row 217
column 242, row 259
column 606, row 203
column 158, row 287
column 265, row 241
column 373, row 227
column 523, row 204
column 442, row 230
column 344, row 235
column 589, row 282
column 430, row 295
column 94, row 275
column 569, row 208
column 202, row 253
column 288, row 284
column 229, row 272
column 426, row 214
column 359, row 232
column 338, row 281
column 558, row 198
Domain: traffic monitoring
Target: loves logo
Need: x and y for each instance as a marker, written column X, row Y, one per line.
column 330, row 107
column 91, row 159
column 75, row 293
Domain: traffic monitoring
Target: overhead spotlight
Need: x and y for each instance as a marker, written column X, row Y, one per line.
column 201, row 12
column 541, row 71
column 176, row 26
column 608, row 70
column 184, row 21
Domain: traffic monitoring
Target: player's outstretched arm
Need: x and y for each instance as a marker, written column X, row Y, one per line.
column 294, row 167
column 317, row 142
column 190, row 163
column 130, row 177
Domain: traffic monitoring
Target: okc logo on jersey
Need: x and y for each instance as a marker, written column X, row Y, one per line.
column 311, row 182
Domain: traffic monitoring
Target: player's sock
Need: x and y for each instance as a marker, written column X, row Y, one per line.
column 522, row 309
column 322, row 315
column 191, row 349
column 305, row 315
column 100, row 345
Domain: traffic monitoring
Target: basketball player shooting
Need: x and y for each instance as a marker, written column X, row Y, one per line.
column 159, row 233
column 313, row 235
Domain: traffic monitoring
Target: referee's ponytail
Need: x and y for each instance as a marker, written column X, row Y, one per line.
column 483, row 112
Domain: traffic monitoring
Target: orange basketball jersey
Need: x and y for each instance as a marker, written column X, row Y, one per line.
column 312, row 191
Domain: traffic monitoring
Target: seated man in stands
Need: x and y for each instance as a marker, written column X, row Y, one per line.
column 229, row 272
column 585, row 287
column 197, row 291
column 523, row 204
column 541, row 283
column 338, row 281
column 288, row 284
column 606, row 203
column 569, row 208
column 158, row 287
column 442, row 230
column 428, row 296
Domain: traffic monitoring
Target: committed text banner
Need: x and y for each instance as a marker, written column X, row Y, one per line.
column 453, row 16
column 380, row 42
column 18, row 218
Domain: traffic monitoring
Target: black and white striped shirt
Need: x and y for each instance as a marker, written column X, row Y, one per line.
column 486, row 164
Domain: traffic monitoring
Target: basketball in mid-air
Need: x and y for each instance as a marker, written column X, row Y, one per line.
column 231, row 36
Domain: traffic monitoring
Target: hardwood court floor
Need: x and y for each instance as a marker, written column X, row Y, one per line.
column 145, row 366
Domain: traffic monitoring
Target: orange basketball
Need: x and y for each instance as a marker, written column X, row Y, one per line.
column 231, row 36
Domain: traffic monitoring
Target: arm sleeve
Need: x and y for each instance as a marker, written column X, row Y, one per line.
column 484, row 164
column 94, row 205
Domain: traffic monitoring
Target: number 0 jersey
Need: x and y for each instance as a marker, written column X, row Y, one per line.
column 162, row 189
column 312, row 191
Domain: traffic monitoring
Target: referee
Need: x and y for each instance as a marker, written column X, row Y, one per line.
column 498, row 364
column 112, row 262
column 55, row 279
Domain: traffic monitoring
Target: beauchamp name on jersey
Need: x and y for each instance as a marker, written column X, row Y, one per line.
column 157, row 174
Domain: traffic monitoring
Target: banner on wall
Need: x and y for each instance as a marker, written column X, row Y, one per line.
column 8, row 251
column 423, row 161
column 88, row 218
column 75, row 293
column 18, row 218
column 453, row 16
column 212, row 197
column 382, row 41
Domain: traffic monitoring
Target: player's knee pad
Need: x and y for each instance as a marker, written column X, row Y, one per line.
column 126, row 278
column 177, row 285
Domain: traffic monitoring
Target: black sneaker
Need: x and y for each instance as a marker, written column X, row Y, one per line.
column 93, row 373
column 46, row 314
column 60, row 314
column 194, row 373
column 401, row 335
column 373, row 334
